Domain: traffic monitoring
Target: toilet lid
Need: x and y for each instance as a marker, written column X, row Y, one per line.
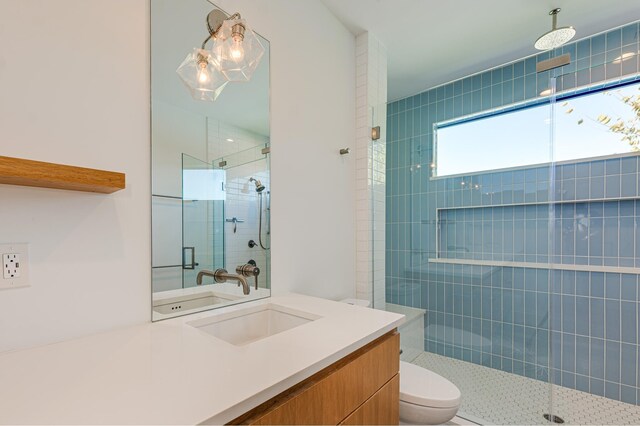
column 423, row 387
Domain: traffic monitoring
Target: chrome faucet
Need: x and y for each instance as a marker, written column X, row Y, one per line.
column 221, row 275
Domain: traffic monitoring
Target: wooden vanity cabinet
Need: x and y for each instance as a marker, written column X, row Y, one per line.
column 361, row 388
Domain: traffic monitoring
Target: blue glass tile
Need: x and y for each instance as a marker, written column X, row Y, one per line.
column 629, row 165
column 476, row 101
column 597, row 317
column 582, row 189
column 597, row 168
column 598, row 44
column 581, row 358
column 612, row 286
column 457, row 87
column 568, row 314
column 409, row 103
column 424, row 98
column 597, row 358
column 582, row 315
column 597, row 72
column 612, row 186
column 582, row 383
column 614, row 39
column 629, row 287
column 611, row 390
column 568, row 380
column 597, row 188
column 596, row 387
column 629, row 34
column 626, row 208
column 583, row 49
column 628, row 394
column 596, row 209
column 628, row 359
column 486, row 79
column 496, row 76
column 530, row 86
column 629, row 324
column 627, row 240
column 611, row 237
column 530, row 65
column 568, row 352
column 448, row 91
column 582, row 283
column 612, row 319
column 476, row 82
column 518, row 69
column 486, row 98
column 518, row 89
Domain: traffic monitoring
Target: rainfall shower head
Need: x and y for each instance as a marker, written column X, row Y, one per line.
column 259, row 186
column 557, row 36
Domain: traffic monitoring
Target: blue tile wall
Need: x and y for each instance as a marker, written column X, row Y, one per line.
column 576, row 328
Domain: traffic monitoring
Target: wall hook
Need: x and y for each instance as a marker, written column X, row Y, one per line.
column 344, row 151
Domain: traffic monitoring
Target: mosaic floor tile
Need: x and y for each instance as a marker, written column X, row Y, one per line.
column 492, row 396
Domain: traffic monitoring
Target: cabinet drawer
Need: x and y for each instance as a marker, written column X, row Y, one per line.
column 383, row 408
column 332, row 394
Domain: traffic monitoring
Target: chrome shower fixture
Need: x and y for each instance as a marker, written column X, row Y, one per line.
column 557, row 36
column 259, row 186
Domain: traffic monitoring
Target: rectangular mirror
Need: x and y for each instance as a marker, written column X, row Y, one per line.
column 211, row 187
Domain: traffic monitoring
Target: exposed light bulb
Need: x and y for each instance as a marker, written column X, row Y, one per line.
column 203, row 74
column 237, row 51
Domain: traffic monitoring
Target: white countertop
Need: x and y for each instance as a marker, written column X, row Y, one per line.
column 169, row 372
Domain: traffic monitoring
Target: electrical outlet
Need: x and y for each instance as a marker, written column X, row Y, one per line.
column 15, row 265
column 11, row 265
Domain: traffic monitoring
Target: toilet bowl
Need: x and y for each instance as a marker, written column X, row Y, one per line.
column 426, row 398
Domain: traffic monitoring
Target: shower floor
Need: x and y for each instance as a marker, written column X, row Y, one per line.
column 492, row 396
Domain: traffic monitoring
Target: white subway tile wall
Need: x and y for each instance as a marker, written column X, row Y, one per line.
column 371, row 111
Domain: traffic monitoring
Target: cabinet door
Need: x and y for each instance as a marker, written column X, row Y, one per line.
column 381, row 409
column 333, row 394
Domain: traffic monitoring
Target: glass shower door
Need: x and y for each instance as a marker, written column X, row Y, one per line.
column 203, row 198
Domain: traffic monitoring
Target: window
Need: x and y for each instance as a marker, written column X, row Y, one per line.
column 595, row 124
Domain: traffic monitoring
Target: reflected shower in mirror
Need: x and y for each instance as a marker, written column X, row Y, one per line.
column 210, row 173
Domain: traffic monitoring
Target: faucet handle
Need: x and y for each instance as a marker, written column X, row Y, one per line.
column 249, row 270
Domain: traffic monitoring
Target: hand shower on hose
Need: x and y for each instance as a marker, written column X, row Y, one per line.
column 259, row 188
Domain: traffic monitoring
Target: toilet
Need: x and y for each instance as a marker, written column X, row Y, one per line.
column 426, row 398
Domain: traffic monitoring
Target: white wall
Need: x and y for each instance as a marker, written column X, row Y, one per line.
column 74, row 85
column 74, row 89
column 312, row 117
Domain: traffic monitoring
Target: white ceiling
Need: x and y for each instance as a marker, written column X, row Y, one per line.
column 433, row 42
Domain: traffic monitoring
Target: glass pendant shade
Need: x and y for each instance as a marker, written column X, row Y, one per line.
column 201, row 74
column 237, row 50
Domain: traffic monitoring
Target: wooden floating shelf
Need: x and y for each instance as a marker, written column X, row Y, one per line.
column 18, row 171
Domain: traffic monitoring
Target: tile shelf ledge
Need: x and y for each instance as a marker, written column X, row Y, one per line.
column 534, row 265
column 23, row 172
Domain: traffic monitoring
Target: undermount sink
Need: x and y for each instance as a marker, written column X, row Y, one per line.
column 252, row 324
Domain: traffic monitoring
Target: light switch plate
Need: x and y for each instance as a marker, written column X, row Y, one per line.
column 15, row 265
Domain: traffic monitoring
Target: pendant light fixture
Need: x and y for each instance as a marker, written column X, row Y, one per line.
column 200, row 73
column 237, row 49
column 235, row 56
column 557, row 36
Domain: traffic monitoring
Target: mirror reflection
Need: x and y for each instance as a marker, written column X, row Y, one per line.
column 211, row 187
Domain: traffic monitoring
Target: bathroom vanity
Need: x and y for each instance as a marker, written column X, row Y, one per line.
column 314, row 361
